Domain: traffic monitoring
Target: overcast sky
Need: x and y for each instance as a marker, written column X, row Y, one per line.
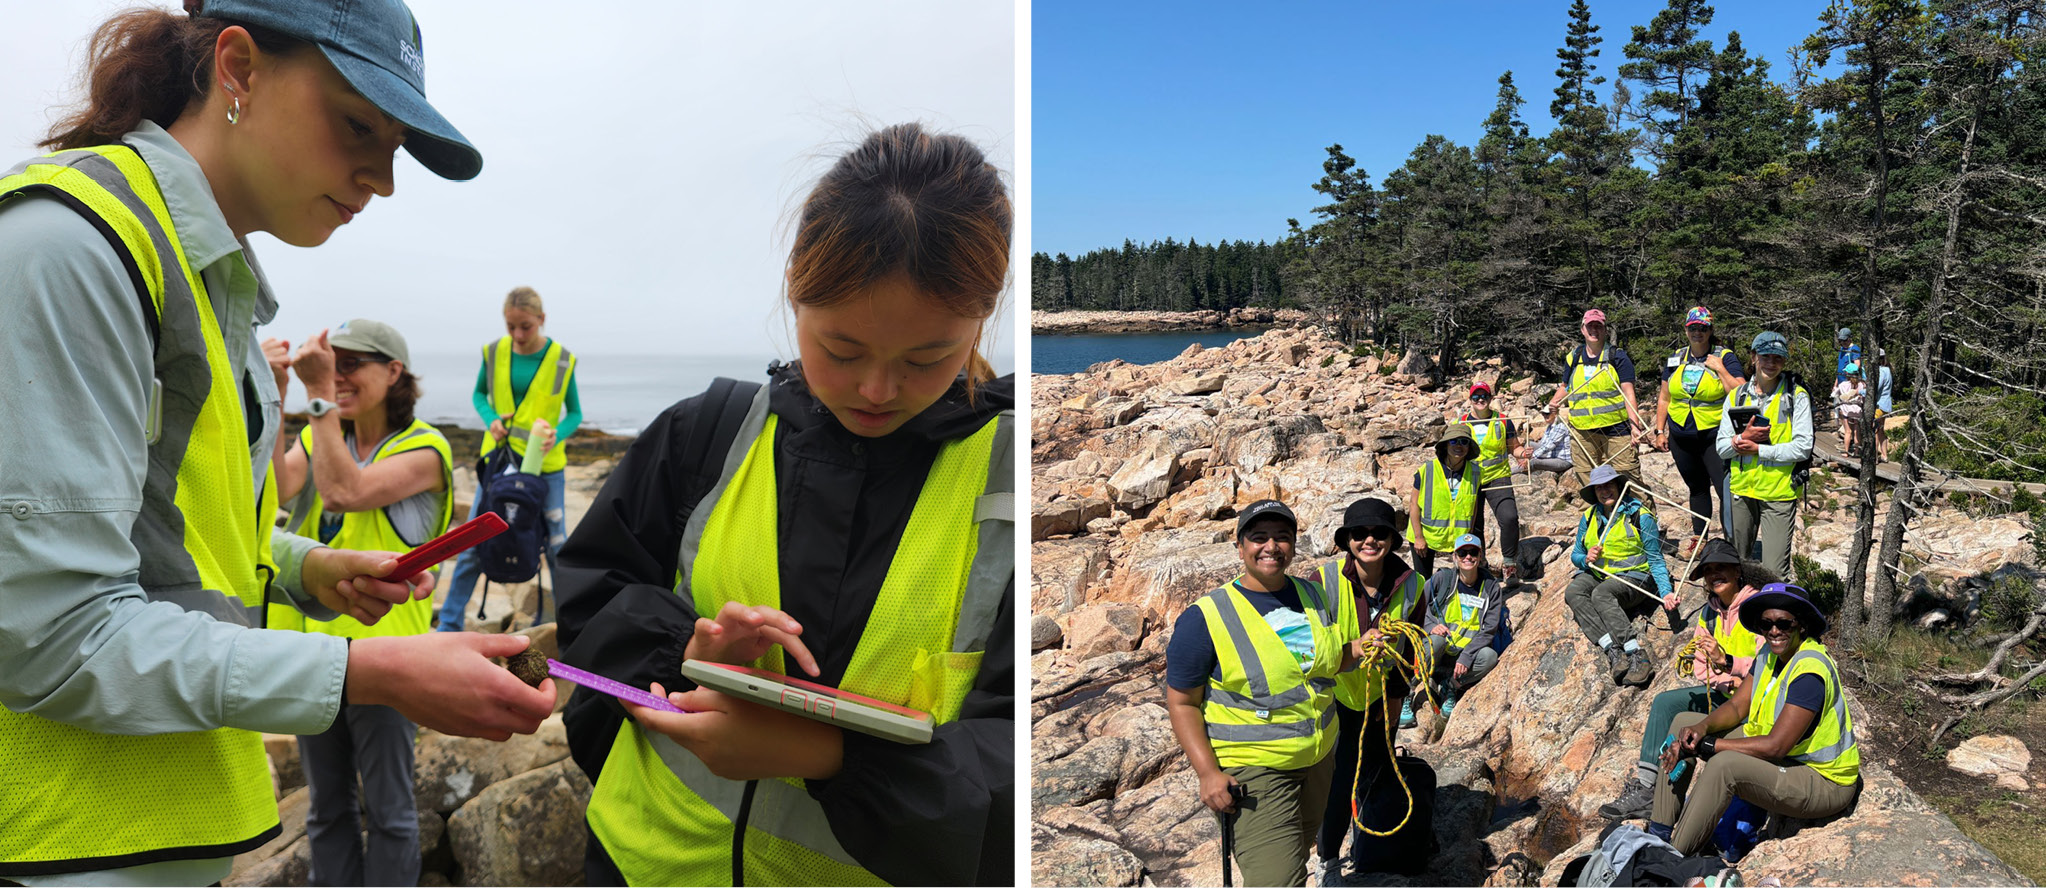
column 641, row 160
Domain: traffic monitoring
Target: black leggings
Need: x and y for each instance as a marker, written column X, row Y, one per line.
column 1506, row 511
column 1697, row 458
column 1335, row 819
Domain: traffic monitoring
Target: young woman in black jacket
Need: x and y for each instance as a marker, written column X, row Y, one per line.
column 851, row 518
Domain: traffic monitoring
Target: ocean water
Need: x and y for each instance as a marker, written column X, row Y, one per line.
column 620, row 393
column 1072, row 353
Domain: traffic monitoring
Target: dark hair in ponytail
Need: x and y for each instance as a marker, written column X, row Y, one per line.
column 905, row 201
column 148, row 64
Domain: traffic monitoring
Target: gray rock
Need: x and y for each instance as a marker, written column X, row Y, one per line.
column 1086, row 774
column 527, row 830
column 1058, row 858
column 449, row 771
column 1044, row 633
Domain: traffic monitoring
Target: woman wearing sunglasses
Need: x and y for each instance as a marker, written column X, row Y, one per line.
column 1696, row 380
column 1794, row 753
column 365, row 474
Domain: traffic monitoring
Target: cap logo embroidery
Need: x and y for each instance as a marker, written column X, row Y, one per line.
column 409, row 52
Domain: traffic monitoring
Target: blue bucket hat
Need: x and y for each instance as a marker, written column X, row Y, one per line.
column 1770, row 342
column 375, row 45
column 1469, row 539
column 1600, row 475
column 1784, row 597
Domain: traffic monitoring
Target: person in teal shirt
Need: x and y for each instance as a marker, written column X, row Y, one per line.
column 525, row 318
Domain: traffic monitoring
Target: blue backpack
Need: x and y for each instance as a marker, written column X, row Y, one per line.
column 521, row 500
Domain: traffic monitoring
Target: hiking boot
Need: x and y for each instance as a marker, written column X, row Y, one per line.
column 1616, row 663
column 1634, row 802
column 1639, row 670
column 1407, row 713
column 1448, row 705
column 1331, row 872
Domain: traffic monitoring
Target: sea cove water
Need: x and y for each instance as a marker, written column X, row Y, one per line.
column 1072, row 353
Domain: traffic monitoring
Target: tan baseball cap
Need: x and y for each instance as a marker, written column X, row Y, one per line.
column 365, row 335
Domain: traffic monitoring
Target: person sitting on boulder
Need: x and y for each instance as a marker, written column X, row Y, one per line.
column 1367, row 583
column 1795, row 752
column 1618, row 553
column 1466, row 610
column 1445, row 501
column 1724, row 653
column 1250, row 677
column 1550, row 453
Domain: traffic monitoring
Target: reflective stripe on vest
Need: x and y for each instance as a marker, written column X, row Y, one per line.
column 1445, row 517
column 1619, row 555
column 77, row 801
column 1594, row 391
column 662, row 816
column 370, row 531
column 1362, row 686
column 1263, row 706
column 1491, row 456
column 1463, row 618
column 545, row 398
column 1756, row 478
column 1733, row 638
column 1709, row 401
column 1831, row 749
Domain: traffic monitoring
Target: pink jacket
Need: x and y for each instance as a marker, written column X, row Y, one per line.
column 1725, row 683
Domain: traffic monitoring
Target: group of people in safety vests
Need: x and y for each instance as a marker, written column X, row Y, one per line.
column 1279, row 683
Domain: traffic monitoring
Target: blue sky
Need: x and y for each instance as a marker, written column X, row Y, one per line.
column 1209, row 121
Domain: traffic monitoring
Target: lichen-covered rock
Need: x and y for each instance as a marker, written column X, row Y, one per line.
column 527, row 830
column 449, row 771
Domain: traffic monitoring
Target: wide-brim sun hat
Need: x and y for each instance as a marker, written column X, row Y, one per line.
column 1784, row 597
column 1455, row 431
column 1600, row 475
column 376, row 46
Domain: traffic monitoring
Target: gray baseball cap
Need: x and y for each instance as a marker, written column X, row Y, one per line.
column 1770, row 342
column 375, row 45
column 1265, row 509
column 364, row 335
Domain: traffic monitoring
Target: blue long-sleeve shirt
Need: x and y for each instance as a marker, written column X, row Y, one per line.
column 1651, row 545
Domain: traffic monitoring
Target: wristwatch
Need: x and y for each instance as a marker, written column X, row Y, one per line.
column 319, row 407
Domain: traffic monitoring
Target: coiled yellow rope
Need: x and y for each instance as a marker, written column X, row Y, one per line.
column 1684, row 655
column 1418, row 670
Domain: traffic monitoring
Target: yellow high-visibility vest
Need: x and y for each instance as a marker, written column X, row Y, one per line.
column 1362, row 686
column 663, row 817
column 1708, row 402
column 78, row 801
column 545, row 397
column 1761, row 479
column 1446, row 515
column 1831, row 750
column 371, row 531
column 1594, row 391
column 1266, row 708
column 1491, row 455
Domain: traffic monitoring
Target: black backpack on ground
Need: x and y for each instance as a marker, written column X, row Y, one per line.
column 1381, row 805
column 521, row 500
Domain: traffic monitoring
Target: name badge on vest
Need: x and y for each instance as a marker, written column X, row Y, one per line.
column 1469, row 601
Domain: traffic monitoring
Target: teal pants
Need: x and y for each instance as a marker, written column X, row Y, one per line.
column 1665, row 707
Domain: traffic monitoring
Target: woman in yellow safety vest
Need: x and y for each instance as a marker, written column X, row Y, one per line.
column 1723, row 653
column 364, row 473
column 1695, row 382
column 1498, row 438
column 1764, row 452
column 1795, row 753
column 1620, row 572
column 139, row 553
column 527, row 377
column 1445, row 501
column 850, row 523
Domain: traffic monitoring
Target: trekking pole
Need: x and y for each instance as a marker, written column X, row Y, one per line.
column 1229, row 832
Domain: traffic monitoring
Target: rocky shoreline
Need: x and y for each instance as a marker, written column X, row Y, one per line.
column 1138, row 471
column 1067, row 322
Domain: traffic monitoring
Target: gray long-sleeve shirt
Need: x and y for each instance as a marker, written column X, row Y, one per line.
column 79, row 641
column 1445, row 584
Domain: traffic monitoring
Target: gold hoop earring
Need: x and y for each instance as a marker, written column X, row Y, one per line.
column 234, row 113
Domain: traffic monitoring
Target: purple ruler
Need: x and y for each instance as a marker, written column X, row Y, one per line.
column 597, row 682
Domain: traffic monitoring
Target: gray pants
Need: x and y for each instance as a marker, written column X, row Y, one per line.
column 1605, row 609
column 1277, row 819
column 1792, row 789
column 1444, row 678
column 1774, row 520
column 375, row 741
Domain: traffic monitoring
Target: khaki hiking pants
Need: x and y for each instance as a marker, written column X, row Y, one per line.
column 1589, row 450
column 1792, row 790
column 1277, row 819
column 1773, row 520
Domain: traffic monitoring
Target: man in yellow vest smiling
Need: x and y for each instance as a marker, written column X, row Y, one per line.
column 1250, row 689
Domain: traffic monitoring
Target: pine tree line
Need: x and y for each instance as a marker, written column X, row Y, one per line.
column 1162, row 276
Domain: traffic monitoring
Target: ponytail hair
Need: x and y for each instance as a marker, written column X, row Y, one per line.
column 148, row 64
column 926, row 206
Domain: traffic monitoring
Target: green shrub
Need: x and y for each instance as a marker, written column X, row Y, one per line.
column 2008, row 602
column 2022, row 500
column 1328, row 361
column 1361, row 350
column 1961, row 499
column 1824, row 585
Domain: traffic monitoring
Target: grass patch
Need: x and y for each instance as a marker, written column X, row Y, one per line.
column 2007, row 827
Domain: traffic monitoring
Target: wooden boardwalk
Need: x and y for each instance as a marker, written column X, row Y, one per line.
column 1826, row 448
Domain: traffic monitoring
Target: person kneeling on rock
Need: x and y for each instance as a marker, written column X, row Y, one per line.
column 1250, row 680
column 1466, row 613
column 1617, row 553
column 1723, row 654
column 1795, row 753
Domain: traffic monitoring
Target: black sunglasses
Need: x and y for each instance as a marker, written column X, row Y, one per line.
column 352, row 363
column 1481, row 397
column 1785, row 625
column 1376, row 533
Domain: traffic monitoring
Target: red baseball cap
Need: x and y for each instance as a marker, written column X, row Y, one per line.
column 1594, row 315
column 1481, row 387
